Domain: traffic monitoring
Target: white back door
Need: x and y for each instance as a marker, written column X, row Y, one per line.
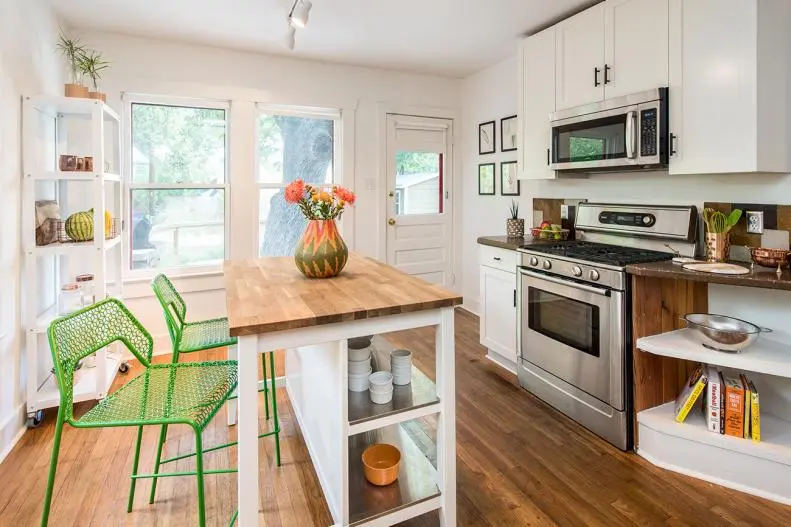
column 419, row 203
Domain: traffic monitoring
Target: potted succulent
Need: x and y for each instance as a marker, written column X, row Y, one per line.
column 92, row 65
column 73, row 52
column 718, row 226
column 515, row 226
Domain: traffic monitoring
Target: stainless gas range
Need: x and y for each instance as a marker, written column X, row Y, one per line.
column 574, row 334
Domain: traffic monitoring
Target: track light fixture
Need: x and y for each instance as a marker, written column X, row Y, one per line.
column 300, row 11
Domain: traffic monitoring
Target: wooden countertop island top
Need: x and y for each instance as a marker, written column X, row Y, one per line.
column 269, row 294
column 761, row 277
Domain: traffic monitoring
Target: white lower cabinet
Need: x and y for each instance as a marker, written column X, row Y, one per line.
column 498, row 315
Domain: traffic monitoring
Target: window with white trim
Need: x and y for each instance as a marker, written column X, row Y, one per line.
column 293, row 143
column 178, row 183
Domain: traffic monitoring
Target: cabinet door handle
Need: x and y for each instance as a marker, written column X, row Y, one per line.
column 514, row 297
column 596, row 71
column 607, row 74
column 547, row 156
column 497, row 258
column 673, row 141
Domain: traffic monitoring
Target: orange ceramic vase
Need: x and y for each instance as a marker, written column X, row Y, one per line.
column 321, row 252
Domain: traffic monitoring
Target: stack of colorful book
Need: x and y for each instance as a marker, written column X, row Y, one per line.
column 730, row 405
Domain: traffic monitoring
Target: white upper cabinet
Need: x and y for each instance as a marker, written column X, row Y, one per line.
column 536, row 102
column 579, row 63
column 729, row 97
column 636, row 46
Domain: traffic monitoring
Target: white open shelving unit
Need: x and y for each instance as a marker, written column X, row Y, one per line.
column 54, row 126
column 762, row 469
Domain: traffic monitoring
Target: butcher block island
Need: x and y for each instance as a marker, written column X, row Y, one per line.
column 271, row 305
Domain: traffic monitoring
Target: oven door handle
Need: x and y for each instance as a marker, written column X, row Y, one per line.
column 567, row 283
column 631, row 134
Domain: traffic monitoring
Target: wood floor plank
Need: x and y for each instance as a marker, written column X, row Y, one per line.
column 520, row 463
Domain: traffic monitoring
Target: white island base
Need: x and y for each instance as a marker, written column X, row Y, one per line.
column 338, row 425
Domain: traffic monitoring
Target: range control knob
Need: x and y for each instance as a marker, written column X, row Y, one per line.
column 547, row 265
column 533, row 261
column 577, row 270
column 593, row 275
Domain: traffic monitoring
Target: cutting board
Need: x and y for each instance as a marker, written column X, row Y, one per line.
column 716, row 268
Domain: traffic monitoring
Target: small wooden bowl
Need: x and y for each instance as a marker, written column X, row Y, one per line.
column 380, row 463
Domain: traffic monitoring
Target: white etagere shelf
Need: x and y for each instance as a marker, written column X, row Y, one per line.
column 54, row 126
column 760, row 468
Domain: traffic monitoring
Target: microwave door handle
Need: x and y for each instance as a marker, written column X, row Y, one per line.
column 573, row 285
column 631, row 134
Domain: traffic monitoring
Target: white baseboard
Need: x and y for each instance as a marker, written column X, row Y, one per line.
column 11, row 431
column 472, row 306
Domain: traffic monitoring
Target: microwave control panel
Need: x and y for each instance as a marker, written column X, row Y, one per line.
column 648, row 132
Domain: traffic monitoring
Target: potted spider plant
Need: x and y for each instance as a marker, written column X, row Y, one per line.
column 718, row 227
column 73, row 52
column 92, row 65
column 515, row 226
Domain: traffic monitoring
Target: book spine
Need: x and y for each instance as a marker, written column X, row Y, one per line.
column 713, row 401
column 747, row 405
column 690, row 402
column 722, row 402
column 734, row 408
column 755, row 417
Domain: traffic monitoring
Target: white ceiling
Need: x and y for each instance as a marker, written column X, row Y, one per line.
column 447, row 37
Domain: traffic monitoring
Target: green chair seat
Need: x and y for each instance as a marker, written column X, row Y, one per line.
column 204, row 335
column 189, row 393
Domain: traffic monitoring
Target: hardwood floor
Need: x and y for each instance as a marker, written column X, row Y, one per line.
column 519, row 463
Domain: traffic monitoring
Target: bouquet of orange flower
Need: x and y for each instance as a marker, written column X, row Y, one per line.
column 318, row 204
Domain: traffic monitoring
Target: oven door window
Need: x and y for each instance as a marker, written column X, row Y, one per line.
column 565, row 320
column 594, row 140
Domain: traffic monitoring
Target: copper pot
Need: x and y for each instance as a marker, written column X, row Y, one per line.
column 770, row 257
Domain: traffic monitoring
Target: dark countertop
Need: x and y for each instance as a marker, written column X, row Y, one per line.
column 762, row 277
column 504, row 242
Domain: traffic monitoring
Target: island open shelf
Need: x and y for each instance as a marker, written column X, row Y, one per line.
column 763, row 469
column 416, row 486
column 765, row 356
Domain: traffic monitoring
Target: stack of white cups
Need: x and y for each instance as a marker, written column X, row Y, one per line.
column 401, row 366
column 359, row 368
column 381, row 386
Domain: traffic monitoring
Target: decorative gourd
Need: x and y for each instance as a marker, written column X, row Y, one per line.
column 79, row 226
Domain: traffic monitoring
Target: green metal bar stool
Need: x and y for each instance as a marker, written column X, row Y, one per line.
column 189, row 337
column 190, row 393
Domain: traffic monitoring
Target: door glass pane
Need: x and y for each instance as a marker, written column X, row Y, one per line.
column 175, row 144
column 177, row 227
column 277, row 233
column 591, row 140
column 419, row 183
column 569, row 321
column 292, row 148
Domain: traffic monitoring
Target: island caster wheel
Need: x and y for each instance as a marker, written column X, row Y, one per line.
column 123, row 368
column 35, row 420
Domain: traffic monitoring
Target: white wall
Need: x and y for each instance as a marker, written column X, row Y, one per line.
column 28, row 65
column 168, row 68
column 492, row 94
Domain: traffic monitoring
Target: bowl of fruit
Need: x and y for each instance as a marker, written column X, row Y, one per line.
column 548, row 231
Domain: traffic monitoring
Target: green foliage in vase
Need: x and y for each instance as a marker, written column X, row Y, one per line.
column 73, row 52
column 91, row 65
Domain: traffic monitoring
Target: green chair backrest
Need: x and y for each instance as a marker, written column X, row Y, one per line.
column 172, row 304
column 75, row 336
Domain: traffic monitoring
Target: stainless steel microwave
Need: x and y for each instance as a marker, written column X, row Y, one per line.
column 623, row 133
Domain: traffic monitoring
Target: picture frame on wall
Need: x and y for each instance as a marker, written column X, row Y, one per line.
column 509, row 178
column 487, row 138
column 508, row 134
column 486, row 179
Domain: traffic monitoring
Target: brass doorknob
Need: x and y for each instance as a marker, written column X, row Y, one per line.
column 391, row 221
column 391, row 194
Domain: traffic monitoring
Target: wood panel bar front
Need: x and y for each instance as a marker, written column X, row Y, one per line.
column 658, row 305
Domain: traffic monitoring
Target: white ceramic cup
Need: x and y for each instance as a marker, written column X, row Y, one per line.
column 360, row 366
column 382, row 398
column 359, row 354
